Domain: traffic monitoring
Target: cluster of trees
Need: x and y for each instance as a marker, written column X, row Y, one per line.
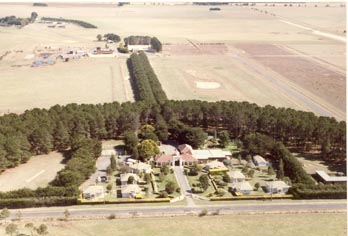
column 137, row 40
column 144, row 40
column 109, row 36
column 12, row 20
column 76, row 22
column 40, row 4
column 156, row 44
column 145, row 82
column 81, row 164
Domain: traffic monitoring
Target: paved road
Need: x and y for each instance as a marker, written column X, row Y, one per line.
column 172, row 210
column 184, row 185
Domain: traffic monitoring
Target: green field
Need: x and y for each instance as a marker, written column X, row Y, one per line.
column 262, row 225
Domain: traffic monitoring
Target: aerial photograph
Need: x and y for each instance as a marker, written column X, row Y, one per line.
column 151, row 118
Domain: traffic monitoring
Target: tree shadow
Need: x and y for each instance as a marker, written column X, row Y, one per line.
column 67, row 156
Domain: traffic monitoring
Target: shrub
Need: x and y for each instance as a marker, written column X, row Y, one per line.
column 204, row 212
column 111, row 217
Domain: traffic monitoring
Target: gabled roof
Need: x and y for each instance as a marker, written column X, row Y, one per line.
column 259, row 159
column 236, row 175
column 215, row 165
column 188, row 158
column 277, row 185
column 185, row 149
column 130, row 188
column 124, row 177
column 140, row 166
column 93, row 189
column 242, row 186
column 163, row 158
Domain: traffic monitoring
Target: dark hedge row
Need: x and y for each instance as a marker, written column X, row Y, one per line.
column 327, row 191
column 37, row 202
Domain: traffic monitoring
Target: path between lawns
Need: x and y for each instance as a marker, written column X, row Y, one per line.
column 184, row 184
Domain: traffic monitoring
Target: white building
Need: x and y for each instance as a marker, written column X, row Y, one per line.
column 214, row 165
column 135, row 48
column 279, row 187
column 241, row 187
column 236, row 176
column 260, row 161
column 130, row 191
column 140, row 167
column 125, row 177
column 94, row 192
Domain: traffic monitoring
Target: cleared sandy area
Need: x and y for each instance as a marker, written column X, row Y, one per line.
column 195, row 39
column 37, row 172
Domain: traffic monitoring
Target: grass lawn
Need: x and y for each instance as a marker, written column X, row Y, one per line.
column 261, row 225
column 168, row 178
column 194, row 180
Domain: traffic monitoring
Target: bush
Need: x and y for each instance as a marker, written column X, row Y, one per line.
column 204, row 212
column 163, row 194
column 111, row 217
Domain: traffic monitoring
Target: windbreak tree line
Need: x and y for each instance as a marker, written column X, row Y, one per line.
column 144, row 80
column 78, row 127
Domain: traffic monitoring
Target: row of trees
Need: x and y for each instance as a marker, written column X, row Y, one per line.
column 76, row 22
column 109, row 36
column 145, row 82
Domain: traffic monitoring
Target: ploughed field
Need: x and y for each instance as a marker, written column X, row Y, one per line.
column 234, row 54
